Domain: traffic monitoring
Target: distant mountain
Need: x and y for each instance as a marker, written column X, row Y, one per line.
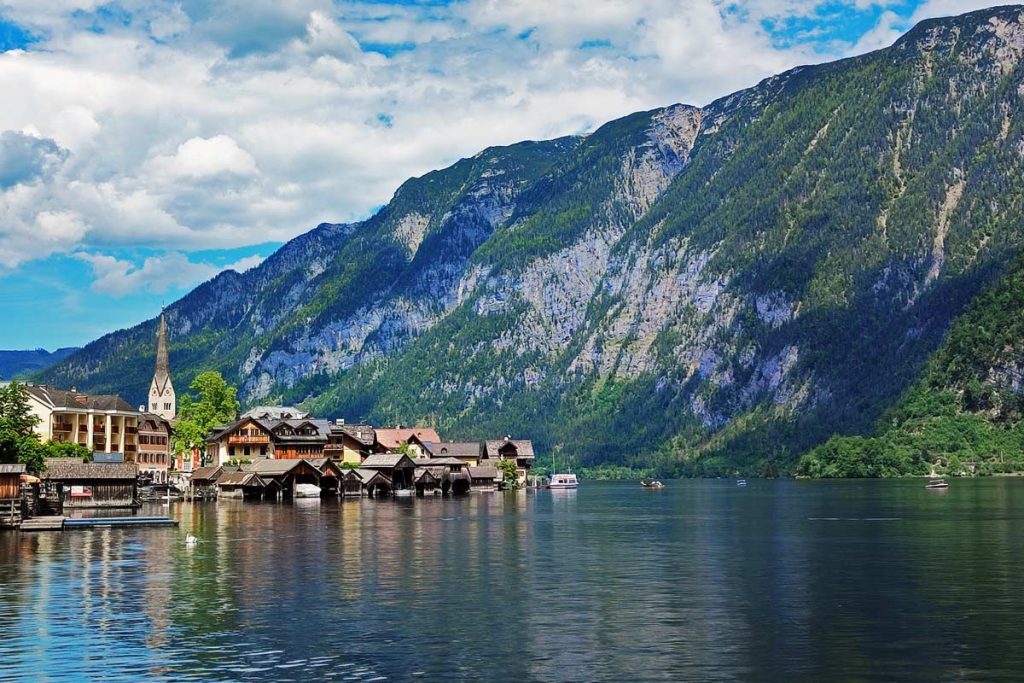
column 697, row 290
column 15, row 364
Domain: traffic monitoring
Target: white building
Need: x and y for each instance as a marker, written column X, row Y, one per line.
column 101, row 423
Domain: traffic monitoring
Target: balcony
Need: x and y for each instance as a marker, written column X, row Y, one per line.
column 62, row 427
column 131, row 430
column 240, row 438
column 130, row 448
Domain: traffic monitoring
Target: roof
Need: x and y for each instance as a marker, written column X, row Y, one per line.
column 74, row 469
column 12, row 468
column 448, row 461
column 435, row 473
column 457, row 449
column 393, row 438
column 322, row 428
column 387, row 460
column 276, row 467
column 68, row 399
column 208, row 473
column 524, row 447
column 276, row 412
column 219, row 432
column 369, row 475
column 240, row 479
column 152, row 417
column 364, row 434
column 483, row 472
column 323, row 464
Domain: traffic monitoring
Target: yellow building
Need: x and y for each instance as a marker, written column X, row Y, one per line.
column 101, row 423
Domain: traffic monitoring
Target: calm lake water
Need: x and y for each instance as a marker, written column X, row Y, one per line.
column 781, row 580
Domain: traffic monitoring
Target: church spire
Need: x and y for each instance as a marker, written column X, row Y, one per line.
column 161, row 391
column 162, row 364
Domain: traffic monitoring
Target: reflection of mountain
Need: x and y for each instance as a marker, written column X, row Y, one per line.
column 16, row 364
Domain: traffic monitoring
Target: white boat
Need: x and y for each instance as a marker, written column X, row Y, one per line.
column 741, row 482
column 937, row 484
column 563, row 481
column 307, row 491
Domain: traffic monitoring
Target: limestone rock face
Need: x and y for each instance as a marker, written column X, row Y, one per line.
column 750, row 276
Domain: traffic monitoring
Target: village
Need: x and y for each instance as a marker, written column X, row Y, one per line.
column 266, row 453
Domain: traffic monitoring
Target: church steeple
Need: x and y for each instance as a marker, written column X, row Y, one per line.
column 161, row 392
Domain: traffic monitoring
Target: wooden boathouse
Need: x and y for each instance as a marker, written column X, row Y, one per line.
column 79, row 484
column 10, row 493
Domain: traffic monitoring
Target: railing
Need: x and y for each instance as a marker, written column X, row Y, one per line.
column 238, row 438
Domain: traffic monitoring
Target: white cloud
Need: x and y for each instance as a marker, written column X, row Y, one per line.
column 197, row 125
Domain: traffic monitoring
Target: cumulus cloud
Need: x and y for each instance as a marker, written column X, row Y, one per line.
column 188, row 125
column 25, row 158
column 157, row 274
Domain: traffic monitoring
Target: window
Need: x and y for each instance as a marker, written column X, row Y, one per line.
column 167, row 406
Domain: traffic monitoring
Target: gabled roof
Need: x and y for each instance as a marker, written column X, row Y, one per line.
column 325, row 465
column 276, row 413
column 160, row 422
column 364, row 434
column 524, row 447
column 12, row 468
column 387, row 461
column 483, row 472
column 458, row 449
column 395, row 437
column 219, row 433
column 66, row 399
column 73, row 469
column 428, row 473
column 275, row 468
column 210, row 473
column 369, row 476
column 446, row 462
column 240, row 479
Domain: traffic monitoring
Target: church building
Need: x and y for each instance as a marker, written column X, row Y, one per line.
column 161, row 391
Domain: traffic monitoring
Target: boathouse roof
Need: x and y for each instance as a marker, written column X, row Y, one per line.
column 72, row 469
column 240, row 479
column 388, row 461
column 206, row 475
column 368, row 476
column 12, row 468
column 483, row 472
column 448, row 461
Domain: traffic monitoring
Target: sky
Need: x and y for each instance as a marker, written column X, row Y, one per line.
column 146, row 145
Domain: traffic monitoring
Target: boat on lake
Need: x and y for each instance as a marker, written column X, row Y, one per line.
column 651, row 484
column 565, row 480
column 741, row 482
column 937, row 484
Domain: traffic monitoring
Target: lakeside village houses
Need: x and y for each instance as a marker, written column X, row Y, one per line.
column 265, row 454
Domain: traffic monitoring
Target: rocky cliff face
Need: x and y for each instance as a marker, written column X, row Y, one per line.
column 706, row 289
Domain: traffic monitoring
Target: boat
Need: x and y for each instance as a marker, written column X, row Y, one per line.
column 937, row 484
column 566, row 480
column 307, row 491
column 741, row 482
column 403, row 493
column 159, row 492
column 651, row 484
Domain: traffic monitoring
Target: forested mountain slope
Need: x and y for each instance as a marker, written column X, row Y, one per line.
column 699, row 290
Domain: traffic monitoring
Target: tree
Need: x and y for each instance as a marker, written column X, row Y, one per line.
column 18, row 440
column 216, row 405
column 509, row 473
column 67, row 449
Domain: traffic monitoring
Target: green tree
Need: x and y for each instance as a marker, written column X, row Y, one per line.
column 509, row 474
column 66, row 449
column 18, row 441
column 216, row 405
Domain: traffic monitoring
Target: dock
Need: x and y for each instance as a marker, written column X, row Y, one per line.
column 61, row 523
column 55, row 523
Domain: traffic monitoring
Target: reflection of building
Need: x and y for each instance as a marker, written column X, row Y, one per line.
column 161, row 391
column 154, row 447
column 101, row 423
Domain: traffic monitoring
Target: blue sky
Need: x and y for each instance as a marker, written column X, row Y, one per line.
column 153, row 143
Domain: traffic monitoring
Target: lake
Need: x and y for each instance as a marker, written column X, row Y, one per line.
column 781, row 580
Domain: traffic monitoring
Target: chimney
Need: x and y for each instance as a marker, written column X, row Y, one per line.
column 81, row 399
column 142, row 409
column 74, row 389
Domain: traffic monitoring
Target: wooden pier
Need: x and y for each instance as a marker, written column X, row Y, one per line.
column 54, row 523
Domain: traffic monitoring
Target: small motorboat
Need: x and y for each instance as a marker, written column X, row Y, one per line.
column 651, row 484
column 937, row 485
column 563, row 481
column 741, row 482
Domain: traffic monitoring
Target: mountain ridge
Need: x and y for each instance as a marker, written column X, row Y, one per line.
column 686, row 283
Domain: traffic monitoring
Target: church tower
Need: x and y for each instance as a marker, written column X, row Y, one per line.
column 161, row 391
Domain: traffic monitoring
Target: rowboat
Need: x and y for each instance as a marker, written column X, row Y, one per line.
column 651, row 484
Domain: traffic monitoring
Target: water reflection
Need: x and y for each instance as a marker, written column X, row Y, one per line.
column 780, row 580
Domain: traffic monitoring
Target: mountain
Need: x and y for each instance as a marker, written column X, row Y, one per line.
column 966, row 412
column 15, row 364
column 691, row 290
